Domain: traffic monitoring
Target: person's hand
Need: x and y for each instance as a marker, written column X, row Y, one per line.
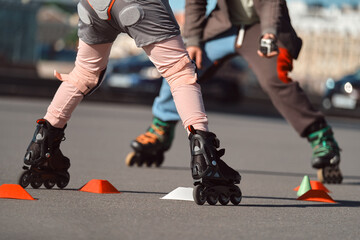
column 274, row 51
column 195, row 53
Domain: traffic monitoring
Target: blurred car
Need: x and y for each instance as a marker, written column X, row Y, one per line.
column 134, row 76
column 343, row 96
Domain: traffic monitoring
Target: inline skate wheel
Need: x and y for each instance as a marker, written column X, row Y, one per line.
column 36, row 182
column 139, row 162
column 156, row 159
column 236, row 198
column 198, row 194
column 223, row 199
column 159, row 160
column 149, row 161
column 212, row 199
column 63, row 181
column 130, row 159
column 24, row 179
column 330, row 174
column 133, row 158
column 49, row 183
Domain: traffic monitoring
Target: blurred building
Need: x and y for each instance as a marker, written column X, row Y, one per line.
column 35, row 30
column 43, row 33
column 57, row 29
column 57, row 38
column 331, row 42
column 18, row 31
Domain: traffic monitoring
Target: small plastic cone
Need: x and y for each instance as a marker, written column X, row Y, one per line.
column 316, row 196
column 14, row 191
column 99, row 186
column 304, row 186
column 315, row 185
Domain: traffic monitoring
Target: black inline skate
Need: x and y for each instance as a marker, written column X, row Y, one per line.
column 326, row 155
column 214, row 180
column 149, row 147
column 48, row 165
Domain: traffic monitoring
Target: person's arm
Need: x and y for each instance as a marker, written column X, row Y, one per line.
column 195, row 19
column 269, row 14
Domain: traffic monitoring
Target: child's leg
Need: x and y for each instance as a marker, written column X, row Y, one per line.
column 87, row 75
column 213, row 179
column 171, row 59
column 63, row 104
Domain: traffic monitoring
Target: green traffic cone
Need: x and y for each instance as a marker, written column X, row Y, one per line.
column 304, row 186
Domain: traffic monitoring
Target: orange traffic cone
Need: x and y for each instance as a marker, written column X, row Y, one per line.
column 315, row 185
column 99, row 186
column 316, row 196
column 14, row 191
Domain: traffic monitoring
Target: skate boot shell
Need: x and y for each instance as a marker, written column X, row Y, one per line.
column 149, row 147
column 44, row 161
column 214, row 180
column 326, row 155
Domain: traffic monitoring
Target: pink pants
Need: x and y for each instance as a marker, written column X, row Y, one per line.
column 170, row 58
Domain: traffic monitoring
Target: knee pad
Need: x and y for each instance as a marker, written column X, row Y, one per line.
column 86, row 81
column 102, row 8
column 83, row 13
column 131, row 14
column 181, row 73
column 128, row 16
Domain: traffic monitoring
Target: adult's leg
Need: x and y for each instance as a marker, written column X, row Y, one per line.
column 291, row 101
column 164, row 106
column 286, row 95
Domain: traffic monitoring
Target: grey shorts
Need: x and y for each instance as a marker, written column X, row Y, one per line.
column 146, row 21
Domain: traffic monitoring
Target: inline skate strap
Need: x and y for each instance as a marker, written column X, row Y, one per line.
column 191, row 129
column 148, row 137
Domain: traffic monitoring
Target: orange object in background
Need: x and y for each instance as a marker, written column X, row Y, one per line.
column 99, row 186
column 316, row 196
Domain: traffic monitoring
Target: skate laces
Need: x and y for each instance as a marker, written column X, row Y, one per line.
column 146, row 138
column 323, row 142
column 157, row 131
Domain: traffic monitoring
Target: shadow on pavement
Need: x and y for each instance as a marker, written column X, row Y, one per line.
column 144, row 192
column 339, row 203
column 271, row 173
column 121, row 191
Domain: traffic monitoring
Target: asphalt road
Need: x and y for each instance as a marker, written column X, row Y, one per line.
column 270, row 156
